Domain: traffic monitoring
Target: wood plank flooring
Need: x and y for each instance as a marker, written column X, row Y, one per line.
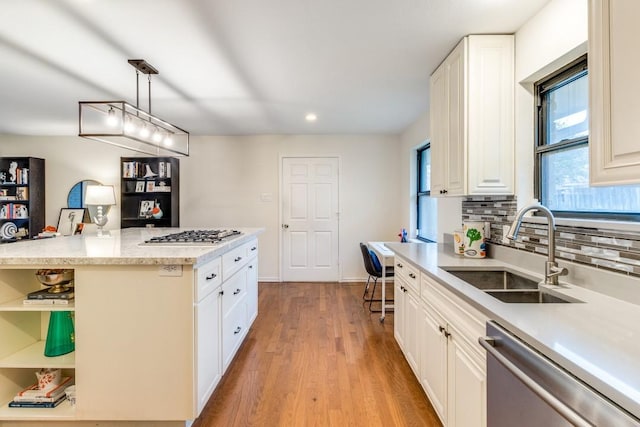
column 316, row 357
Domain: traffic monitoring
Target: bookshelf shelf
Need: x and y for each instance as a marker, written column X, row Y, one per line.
column 33, row 356
column 63, row 412
column 18, row 305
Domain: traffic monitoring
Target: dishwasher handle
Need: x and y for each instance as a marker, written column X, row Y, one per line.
column 569, row 414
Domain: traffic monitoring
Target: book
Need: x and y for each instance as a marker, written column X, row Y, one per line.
column 34, row 391
column 45, row 294
column 47, row 301
column 14, row 404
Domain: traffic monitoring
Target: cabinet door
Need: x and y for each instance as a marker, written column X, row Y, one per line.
column 252, row 291
column 208, row 360
column 490, row 118
column 433, row 372
column 455, row 147
column 438, row 122
column 398, row 311
column 613, row 92
column 466, row 386
column 411, row 316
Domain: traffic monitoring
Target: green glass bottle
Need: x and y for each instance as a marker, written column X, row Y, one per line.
column 60, row 336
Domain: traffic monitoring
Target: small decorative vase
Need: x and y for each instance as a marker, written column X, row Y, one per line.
column 474, row 236
column 156, row 212
column 61, row 334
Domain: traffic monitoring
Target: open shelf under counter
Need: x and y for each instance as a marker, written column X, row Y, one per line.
column 33, row 356
column 19, row 305
column 63, row 412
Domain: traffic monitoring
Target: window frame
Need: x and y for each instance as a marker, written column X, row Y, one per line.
column 419, row 193
column 565, row 75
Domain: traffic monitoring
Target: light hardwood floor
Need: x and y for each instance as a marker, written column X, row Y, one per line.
column 316, row 357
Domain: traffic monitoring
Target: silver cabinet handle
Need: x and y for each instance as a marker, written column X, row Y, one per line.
column 212, row 276
column 569, row 414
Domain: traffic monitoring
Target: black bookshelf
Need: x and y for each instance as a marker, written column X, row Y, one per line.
column 147, row 183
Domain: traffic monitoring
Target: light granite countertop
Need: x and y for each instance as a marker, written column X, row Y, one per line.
column 117, row 247
column 597, row 339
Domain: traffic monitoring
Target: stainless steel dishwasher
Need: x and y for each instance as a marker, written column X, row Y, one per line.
column 526, row 389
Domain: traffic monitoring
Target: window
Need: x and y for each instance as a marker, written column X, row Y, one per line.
column 426, row 205
column 562, row 152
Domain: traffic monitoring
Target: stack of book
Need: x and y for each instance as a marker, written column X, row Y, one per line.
column 45, row 296
column 33, row 397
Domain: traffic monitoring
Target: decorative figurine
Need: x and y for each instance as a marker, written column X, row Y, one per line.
column 13, row 168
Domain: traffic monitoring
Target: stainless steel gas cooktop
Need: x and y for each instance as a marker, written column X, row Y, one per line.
column 194, row 237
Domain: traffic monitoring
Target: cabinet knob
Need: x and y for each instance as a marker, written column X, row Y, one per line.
column 399, row 265
column 237, row 259
column 253, row 248
column 212, row 276
column 237, row 291
column 413, row 276
column 237, row 331
column 221, row 293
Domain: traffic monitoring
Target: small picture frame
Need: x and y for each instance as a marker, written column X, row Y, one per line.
column 22, row 193
column 151, row 186
column 139, row 186
column 69, row 220
column 145, row 208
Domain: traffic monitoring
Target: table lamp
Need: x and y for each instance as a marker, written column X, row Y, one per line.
column 103, row 197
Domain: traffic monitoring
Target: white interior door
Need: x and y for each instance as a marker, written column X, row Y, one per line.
column 309, row 219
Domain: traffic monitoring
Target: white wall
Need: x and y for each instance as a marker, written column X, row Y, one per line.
column 224, row 180
column 449, row 208
column 554, row 37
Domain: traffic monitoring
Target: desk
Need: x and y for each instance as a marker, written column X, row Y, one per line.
column 384, row 254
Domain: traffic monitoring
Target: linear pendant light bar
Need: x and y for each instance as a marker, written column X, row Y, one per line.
column 120, row 123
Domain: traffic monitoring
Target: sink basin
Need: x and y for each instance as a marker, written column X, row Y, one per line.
column 494, row 279
column 508, row 286
column 526, row 297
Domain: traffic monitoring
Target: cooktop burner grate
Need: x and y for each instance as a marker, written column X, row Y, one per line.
column 195, row 237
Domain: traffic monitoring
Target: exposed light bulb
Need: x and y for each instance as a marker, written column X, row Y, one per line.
column 112, row 119
column 157, row 135
column 168, row 140
column 129, row 126
column 144, row 131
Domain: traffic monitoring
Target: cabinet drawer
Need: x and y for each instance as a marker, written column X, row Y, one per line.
column 252, row 249
column 233, row 291
column 408, row 272
column 233, row 261
column 234, row 328
column 209, row 277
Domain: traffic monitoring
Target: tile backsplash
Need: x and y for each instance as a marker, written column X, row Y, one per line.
column 613, row 250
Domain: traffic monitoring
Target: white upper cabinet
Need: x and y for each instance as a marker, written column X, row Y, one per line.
column 614, row 89
column 472, row 118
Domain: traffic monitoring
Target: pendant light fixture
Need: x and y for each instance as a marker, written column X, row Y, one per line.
column 120, row 123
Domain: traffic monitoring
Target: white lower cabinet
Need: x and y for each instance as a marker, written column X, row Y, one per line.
column 438, row 334
column 208, row 360
column 407, row 307
column 433, row 360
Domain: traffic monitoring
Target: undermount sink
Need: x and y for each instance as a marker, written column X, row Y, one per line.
column 526, row 297
column 494, row 279
column 507, row 286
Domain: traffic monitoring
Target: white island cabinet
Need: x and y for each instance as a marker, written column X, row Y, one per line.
column 150, row 325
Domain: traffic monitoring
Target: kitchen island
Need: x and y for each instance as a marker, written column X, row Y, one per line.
column 596, row 337
column 156, row 325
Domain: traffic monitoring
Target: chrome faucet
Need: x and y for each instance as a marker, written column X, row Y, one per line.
column 551, row 270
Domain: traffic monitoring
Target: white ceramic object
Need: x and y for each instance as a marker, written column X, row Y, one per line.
column 474, row 237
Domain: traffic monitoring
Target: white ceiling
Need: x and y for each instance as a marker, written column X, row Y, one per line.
column 236, row 67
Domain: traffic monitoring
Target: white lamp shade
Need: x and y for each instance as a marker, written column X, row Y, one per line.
column 103, row 195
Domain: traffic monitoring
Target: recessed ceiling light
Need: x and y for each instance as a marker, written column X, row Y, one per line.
column 311, row 117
